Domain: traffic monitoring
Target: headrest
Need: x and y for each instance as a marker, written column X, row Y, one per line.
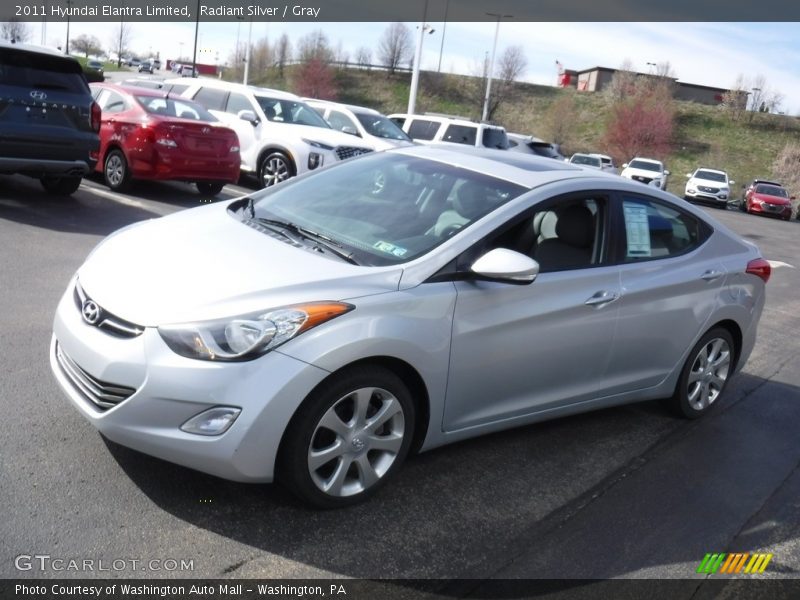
column 576, row 226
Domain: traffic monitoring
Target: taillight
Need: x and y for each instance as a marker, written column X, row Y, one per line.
column 95, row 116
column 760, row 268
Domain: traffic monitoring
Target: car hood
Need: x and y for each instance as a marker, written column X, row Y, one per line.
column 629, row 172
column 204, row 263
column 331, row 137
column 771, row 199
column 708, row 183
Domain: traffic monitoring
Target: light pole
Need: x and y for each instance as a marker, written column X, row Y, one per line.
column 491, row 64
column 247, row 53
column 196, row 30
column 444, row 30
column 412, row 94
column 66, row 46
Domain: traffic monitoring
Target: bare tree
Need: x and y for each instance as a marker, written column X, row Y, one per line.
column 394, row 48
column 622, row 83
column 120, row 40
column 786, row 169
column 511, row 66
column 763, row 98
column 734, row 101
column 364, row 56
column 315, row 46
column 15, row 31
column 283, row 53
column 260, row 58
column 561, row 119
column 87, row 44
column 341, row 55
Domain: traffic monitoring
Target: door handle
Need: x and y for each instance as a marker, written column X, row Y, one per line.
column 711, row 275
column 601, row 298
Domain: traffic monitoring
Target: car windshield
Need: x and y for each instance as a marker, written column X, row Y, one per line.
column 381, row 127
column 772, row 190
column 385, row 208
column 583, row 159
column 290, row 111
column 172, row 107
column 710, row 176
column 495, row 138
column 645, row 165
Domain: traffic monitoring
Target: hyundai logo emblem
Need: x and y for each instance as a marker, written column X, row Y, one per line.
column 37, row 95
column 90, row 312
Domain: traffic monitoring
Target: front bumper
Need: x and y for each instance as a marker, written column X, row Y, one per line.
column 169, row 389
column 784, row 211
column 718, row 198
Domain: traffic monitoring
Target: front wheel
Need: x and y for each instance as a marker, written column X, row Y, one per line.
column 348, row 438
column 61, row 186
column 743, row 206
column 705, row 374
column 275, row 167
column 207, row 188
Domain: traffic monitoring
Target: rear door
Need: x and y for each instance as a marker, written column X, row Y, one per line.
column 671, row 282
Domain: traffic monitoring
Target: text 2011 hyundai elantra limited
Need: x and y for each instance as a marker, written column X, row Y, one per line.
column 319, row 331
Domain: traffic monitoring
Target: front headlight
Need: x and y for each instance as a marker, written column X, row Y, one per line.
column 248, row 336
column 316, row 144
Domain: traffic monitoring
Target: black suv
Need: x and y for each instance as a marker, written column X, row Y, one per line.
column 49, row 122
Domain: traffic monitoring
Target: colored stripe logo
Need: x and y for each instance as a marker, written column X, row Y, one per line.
column 734, row 563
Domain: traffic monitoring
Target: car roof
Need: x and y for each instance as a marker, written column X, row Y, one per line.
column 442, row 118
column 351, row 107
column 134, row 90
column 522, row 169
column 757, row 181
column 652, row 160
column 238, row 87
column 710, row 170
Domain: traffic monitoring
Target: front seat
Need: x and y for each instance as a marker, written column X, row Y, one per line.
column 469, row 204
column 572, row 246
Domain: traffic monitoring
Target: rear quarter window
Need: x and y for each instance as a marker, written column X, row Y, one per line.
column 421, row 129
column 460, row 134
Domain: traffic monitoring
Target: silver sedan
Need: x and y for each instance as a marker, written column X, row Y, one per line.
column 319, row 331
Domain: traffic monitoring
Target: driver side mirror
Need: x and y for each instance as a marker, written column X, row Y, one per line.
column 688, row 176
column 249, row 116
column 666, row 172
column 506, row 266
column 350, row 130
column 731, row 182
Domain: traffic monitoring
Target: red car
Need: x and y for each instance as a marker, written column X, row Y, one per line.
column 147, row 134
column 767, row 198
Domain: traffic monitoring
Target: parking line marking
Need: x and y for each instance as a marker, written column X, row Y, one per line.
column 776, row 264
column 120, row 198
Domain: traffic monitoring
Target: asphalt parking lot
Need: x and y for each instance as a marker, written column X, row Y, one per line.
column 625, row 492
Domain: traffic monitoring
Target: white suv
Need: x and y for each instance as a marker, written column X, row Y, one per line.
column 646, row 170
column 371, row 126
column 434, row 128
column 708, row 185
column 279, row 135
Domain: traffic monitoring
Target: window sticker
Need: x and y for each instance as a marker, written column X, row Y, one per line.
column 390, row 249
column 637, row 227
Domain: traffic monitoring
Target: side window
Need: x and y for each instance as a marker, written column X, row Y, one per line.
column 111, row 102
column 561, row 235
column 422, row 129
column 238, row 102
column 654, row 230
column 211, row 98
column 460, row 134
column 399, row 121
column 340, row 121
column 177, row 89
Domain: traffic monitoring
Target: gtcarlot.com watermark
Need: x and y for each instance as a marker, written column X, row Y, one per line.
column 45, row 563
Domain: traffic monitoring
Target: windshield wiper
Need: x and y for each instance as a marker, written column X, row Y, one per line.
column 321, row 241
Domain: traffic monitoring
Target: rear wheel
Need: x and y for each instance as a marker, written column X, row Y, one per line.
column 705, row 374
column 743, row 206
column 348, row 438
column 275, row 167
column 116, row 171
column 207, row 188
column 61, row 186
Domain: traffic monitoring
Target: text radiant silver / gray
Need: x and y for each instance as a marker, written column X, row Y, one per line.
column 321, row 330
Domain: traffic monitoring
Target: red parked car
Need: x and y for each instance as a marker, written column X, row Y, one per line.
column 767, row 198
column 147, row 134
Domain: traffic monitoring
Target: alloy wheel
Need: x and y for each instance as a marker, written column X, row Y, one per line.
column 276, row 169
column 708, row 374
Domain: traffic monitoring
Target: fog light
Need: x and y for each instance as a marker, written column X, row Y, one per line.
column 214, row 421
column 314, row 160
column 723, row 197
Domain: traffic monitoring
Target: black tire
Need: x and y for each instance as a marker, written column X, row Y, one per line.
column 743, row 206
column 306, row 433
column 209, row 188
column 115, row 171
column 707, row 381
column 274, row 168
column 61, row 186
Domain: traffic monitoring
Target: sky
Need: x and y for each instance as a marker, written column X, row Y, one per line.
column 711, row 54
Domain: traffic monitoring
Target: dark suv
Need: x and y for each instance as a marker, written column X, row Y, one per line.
column 49, row 122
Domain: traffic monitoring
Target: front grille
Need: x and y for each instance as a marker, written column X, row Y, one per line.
column 101, row 394
column 773, row 207
column 642, row 179
column 708, row 190
column 343, row 152
column 109, row 323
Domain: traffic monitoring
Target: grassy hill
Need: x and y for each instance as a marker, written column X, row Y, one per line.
column 703, row 136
